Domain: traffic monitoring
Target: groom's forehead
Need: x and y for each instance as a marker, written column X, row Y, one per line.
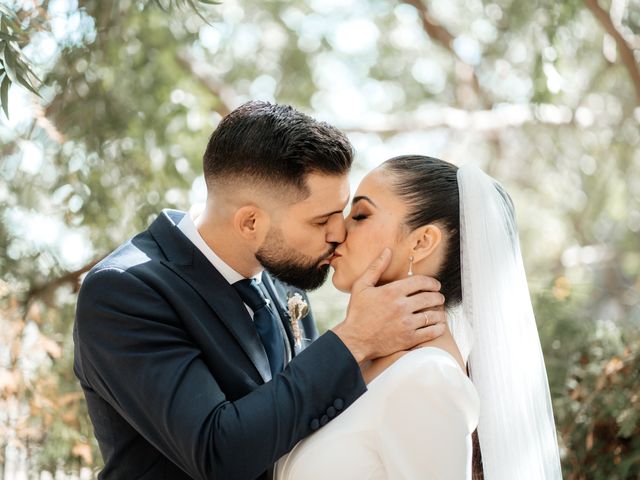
column 326, row 192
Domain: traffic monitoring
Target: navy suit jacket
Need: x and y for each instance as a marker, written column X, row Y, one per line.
column 176, row 379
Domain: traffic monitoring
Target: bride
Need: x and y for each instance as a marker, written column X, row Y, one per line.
column 418, row 417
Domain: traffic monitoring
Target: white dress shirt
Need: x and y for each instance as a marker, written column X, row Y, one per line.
column 188, row 227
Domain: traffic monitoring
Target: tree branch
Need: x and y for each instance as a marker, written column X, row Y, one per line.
column 479, row 121
column 45, row 124
column 431, row 27
column 48, row 288
column 224, row 94
column 442, row 36
column 626, row 52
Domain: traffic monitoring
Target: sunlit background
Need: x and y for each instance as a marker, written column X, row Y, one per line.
column 543, row 95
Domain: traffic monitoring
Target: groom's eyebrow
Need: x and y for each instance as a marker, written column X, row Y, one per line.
column 363, row 197
column 327, row 214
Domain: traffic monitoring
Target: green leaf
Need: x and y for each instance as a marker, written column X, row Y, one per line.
column 10, row 62
column 7, row 37
column 16, row 68
column 4, row 94
column 166, row 5
column 28, row 85
column 7, row 14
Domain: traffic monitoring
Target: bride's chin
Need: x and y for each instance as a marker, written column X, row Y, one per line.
column 339, row 283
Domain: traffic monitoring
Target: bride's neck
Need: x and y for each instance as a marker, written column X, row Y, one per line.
column 445, row 342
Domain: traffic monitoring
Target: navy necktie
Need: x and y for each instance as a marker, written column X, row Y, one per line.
column 265, row 321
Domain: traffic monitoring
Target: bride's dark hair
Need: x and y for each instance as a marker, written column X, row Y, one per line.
column 429, row 187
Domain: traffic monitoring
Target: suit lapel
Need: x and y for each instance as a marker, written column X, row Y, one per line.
column 193, row 267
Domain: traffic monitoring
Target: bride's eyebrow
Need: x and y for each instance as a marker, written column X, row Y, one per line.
column 362, row 197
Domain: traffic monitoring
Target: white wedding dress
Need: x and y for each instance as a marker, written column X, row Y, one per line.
column 416, row 419
column 414, row 422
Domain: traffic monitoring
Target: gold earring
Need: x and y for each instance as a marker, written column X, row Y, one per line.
column 410, row 266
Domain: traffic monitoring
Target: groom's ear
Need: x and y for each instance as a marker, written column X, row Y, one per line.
column 425, row 241
column 251, row 223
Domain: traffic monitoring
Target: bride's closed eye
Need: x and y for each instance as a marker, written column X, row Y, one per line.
column 359, row 217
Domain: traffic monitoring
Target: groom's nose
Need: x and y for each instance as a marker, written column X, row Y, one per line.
column 336, row 231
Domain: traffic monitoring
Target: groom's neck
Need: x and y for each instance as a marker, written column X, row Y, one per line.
column 218, row 234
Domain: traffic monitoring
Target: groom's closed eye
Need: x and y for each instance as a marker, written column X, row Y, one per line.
column 322, row 220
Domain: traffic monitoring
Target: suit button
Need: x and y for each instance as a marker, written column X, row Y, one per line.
column 315, row 424
column 323, row 420
column 331, row 412
column 338, row 403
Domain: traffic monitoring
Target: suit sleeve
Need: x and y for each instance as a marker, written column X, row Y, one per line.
column 426, row 421
column 134, row 354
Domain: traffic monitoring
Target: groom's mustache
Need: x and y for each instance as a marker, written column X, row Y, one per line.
column 329, row 254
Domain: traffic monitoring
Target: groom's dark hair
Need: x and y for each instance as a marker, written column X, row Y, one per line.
column 429, row 187
column 276, row 145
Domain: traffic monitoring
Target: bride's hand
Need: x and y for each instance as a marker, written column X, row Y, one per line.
column 393, row 317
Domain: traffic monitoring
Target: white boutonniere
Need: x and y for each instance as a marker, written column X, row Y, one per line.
column 298, row 308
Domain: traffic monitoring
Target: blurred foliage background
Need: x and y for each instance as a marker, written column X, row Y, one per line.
column 110, row 105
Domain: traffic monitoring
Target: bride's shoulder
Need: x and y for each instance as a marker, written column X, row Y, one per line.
column 427, row 367
column 432, row 358
column 428, row 377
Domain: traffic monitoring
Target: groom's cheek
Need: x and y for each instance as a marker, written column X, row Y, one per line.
column 308, row 240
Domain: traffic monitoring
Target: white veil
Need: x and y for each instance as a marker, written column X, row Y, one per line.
column 498, row 331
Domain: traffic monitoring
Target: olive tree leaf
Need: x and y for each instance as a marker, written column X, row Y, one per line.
column 15, row 68
column 4, row 93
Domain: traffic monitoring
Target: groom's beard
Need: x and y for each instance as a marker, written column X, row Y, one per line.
column 290, row 266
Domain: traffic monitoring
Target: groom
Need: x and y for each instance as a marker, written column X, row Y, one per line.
column 184, row 346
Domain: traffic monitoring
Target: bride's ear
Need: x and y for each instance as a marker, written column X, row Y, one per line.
column 425, row 240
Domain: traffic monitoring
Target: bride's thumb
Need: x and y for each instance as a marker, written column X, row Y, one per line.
column 375, row 270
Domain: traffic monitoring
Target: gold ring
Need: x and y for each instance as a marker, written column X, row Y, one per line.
column 426, row 319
